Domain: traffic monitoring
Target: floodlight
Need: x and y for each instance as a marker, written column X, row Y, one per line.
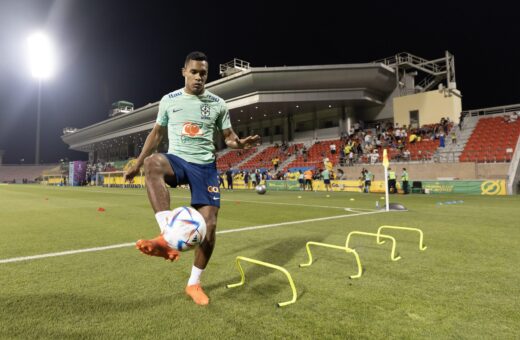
column 41, row 55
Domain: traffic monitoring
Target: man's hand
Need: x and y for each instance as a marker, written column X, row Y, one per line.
column 248, row 142
column 131, row 173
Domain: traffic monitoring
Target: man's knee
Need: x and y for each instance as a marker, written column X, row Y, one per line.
column 153, row 165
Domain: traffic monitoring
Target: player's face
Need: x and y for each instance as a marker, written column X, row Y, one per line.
column 195, row 74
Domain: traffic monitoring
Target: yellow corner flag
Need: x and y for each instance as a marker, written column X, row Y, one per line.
column 385, row 159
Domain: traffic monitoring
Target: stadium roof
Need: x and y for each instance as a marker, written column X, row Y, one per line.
column 268, row 90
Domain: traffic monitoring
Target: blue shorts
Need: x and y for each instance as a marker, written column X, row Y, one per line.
column 202, row 178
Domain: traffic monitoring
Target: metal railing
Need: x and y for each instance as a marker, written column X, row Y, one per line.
column 492, row 110
column 408, row 58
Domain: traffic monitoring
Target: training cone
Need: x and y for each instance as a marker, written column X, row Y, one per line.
column 101, row 209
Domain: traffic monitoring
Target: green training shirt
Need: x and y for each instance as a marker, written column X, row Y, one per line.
column 325, row 174
column 191, row 122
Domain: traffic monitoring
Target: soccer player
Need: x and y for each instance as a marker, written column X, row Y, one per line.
column 188, row 117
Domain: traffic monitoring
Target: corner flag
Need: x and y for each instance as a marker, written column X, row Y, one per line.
column 385, row 159
column 385, row 165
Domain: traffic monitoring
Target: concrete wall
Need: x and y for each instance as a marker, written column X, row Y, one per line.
column 432, row 106
column 435, row 171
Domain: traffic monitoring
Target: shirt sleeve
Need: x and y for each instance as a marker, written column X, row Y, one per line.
column 223, row 121
column 162, row 115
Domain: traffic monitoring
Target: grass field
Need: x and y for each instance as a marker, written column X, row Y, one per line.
column 465, row 285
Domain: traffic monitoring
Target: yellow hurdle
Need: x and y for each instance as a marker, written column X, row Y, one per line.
column 422, row 247
column 378, row 236
column 348, row 250
column 265, row 264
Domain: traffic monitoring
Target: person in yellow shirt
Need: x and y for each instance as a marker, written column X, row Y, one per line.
column 392, row 188
column 276, row 162
column 327, row 164
column 308, row 179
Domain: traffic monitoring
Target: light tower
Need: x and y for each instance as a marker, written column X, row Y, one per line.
column 41, row 62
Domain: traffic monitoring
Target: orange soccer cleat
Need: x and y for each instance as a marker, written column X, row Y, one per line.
column 197, row 294
column 157, row 247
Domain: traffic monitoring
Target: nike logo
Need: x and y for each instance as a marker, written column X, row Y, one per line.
column 216, row 198
column 173, row 110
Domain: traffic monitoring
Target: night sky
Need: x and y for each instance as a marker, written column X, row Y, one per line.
column 134, row 50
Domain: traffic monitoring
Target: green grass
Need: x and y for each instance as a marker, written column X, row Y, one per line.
column 465, row 285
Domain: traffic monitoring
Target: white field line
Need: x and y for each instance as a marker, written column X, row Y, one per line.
column 238, row 200
column 123, row 245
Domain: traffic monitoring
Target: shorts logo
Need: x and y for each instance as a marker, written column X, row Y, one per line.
column 205, row 111
column 191, row 130
column 213, row 189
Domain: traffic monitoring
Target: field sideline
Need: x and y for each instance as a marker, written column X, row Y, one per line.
column 463, row 286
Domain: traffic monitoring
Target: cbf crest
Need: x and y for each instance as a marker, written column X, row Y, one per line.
column 205, row 111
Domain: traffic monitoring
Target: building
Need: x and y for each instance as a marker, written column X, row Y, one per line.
column 294, row 103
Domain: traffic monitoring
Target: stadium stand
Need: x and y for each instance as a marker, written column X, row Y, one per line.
column 493, row 140
column 263, row 160
column 367, row 146
column 316, row 153
column 233, row 158
column 23, row 173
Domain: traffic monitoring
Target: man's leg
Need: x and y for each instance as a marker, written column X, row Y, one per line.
column 203, row 255
column 156, row 167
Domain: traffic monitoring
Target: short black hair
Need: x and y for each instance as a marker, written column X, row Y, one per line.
column 195, row 55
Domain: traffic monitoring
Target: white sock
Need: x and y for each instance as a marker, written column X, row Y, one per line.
column 162, row 218
column 195, row 276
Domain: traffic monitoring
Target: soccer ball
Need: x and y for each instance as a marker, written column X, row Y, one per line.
column 186, row 228
column 260, row 189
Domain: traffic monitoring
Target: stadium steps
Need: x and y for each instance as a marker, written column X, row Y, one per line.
column 233, row 157
column 259, row 149
column 451, row 153
column 287, row 161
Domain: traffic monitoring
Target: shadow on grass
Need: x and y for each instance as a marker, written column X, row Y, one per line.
column 279, row 253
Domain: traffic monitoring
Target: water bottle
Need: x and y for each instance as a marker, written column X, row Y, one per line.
column 377, row 204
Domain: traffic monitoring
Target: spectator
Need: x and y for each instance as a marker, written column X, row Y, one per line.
column 246, row 179
column 332, row 148
column 406, row 155
column 404, row 178
column 391, row 181
column 368, row 177
column 453, row 137
column 441, row 139
column 340, row 175
column 229, row 178
column 275, row 162
column 308, row 179
column 301, row 180
column 325, row 174
column 221, row 180
column 413, row 138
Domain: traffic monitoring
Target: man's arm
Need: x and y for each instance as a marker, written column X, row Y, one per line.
column 150, row 145
column 231, row 139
